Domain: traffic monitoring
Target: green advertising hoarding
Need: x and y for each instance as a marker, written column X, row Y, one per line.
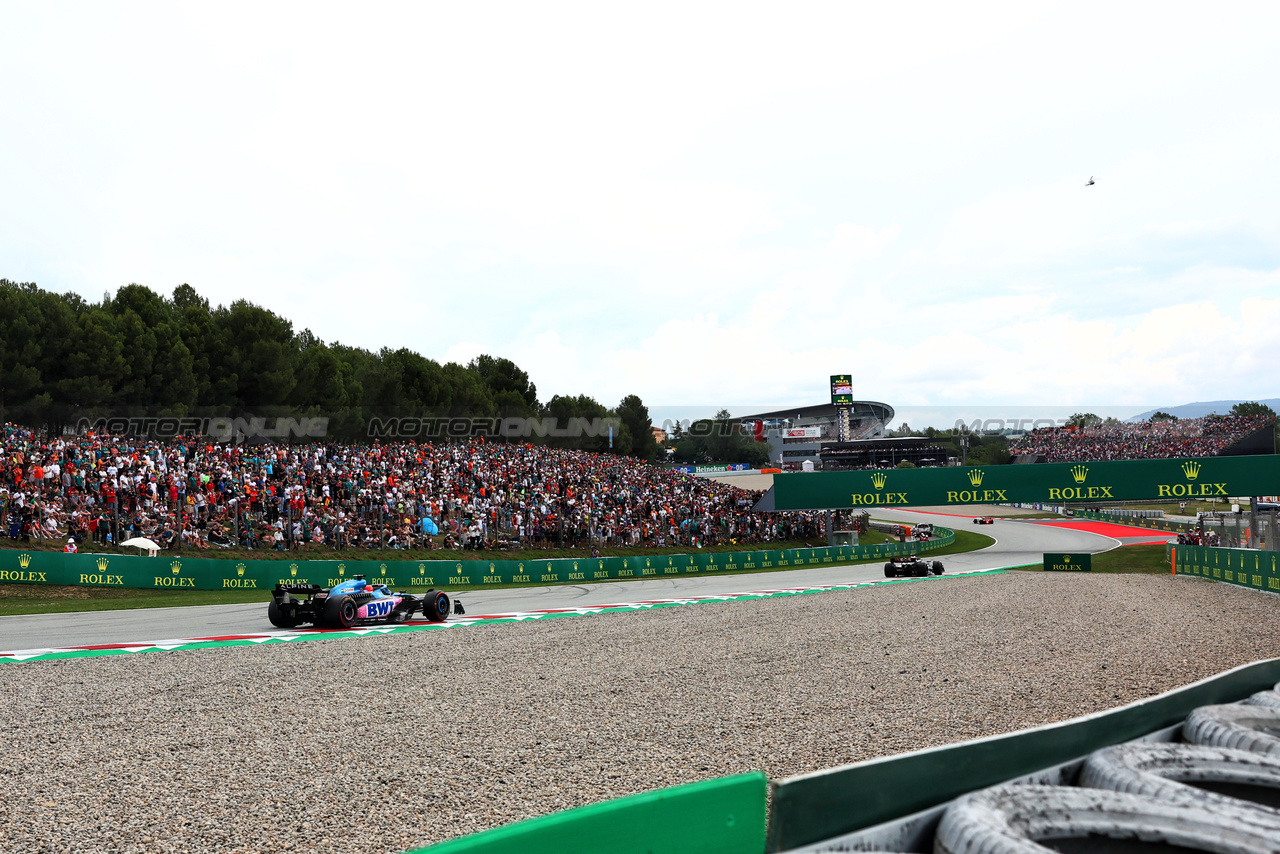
column 1075, row 562
column 1245, row 567
column 1046, row 483
column 195, row 573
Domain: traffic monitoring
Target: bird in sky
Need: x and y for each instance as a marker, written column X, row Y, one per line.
column 1090, row 184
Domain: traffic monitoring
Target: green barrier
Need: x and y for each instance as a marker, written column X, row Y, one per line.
column 825, row 804
column 1045, row 483
column 197, row 573
column 1244, row 567
column 724, row 816
column 1075, row 562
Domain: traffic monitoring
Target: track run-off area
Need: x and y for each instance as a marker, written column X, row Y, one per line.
column 94, row 633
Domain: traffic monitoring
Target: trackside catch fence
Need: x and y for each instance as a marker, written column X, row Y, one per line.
column 1244, row 530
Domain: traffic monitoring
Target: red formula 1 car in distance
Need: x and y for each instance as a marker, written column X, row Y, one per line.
column 983, row 520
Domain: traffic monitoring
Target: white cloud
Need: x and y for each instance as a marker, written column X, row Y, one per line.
column 699, row 204
column 858, row 241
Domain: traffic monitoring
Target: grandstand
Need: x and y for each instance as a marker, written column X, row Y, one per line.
column 798, row 435
column 199, row 494
column 1212, row 435
column 881, row 453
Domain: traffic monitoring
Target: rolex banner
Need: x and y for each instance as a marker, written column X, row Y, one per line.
column 1259, row 570
column 194, row 573
column 1048, row 483
column 1059, row 562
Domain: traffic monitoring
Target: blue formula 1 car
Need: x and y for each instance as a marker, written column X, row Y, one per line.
column 352, row 602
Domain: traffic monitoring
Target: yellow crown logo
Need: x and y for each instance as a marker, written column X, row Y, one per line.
column 646, row 561
column 342, row 569
column 602, row 564
column 1079, row 473
column 24, row 560
column 239, row 569
column 293, row 569
column 575, row 566
column 1066, row 558
column 176, row 566
column 382, row 568
column 879, row 479
column 459, row 568
column 1191, row 469
column 492, row 567
column 975, row 477
column 102, row 563
column 522, row 567
column 422, row 569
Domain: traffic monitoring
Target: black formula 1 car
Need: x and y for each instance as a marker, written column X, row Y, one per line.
column 352, row 602
column 912, row 567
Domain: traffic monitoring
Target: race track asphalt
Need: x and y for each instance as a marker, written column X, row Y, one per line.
column 1018, row 543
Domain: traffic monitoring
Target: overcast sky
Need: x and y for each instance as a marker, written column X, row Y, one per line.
column 703, row 204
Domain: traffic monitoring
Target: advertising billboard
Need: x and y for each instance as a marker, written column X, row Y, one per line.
column 841, row 390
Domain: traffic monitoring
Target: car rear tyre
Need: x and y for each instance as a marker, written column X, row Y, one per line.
column 889, row 571
column 340, row 613
column 937, row 567
column 282, row 618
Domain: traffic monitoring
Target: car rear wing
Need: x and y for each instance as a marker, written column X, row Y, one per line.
column 297, row 589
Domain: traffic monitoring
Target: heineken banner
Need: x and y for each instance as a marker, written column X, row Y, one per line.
column 193, row 573
column 1049, row 483
column 1245, row 567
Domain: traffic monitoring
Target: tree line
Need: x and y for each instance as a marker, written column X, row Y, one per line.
column 66, row 361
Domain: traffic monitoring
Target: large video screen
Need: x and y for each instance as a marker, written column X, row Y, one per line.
column 842, row 390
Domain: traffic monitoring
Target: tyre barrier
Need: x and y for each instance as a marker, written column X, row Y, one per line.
column 1270, row 699
column 1014, row 819
column 1211, row 777
column 1242, row 727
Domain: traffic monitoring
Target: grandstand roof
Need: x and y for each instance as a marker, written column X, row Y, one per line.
column 860, row 409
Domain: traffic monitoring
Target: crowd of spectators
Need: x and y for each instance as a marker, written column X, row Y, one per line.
column 1139, row 440
column 402, row 495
